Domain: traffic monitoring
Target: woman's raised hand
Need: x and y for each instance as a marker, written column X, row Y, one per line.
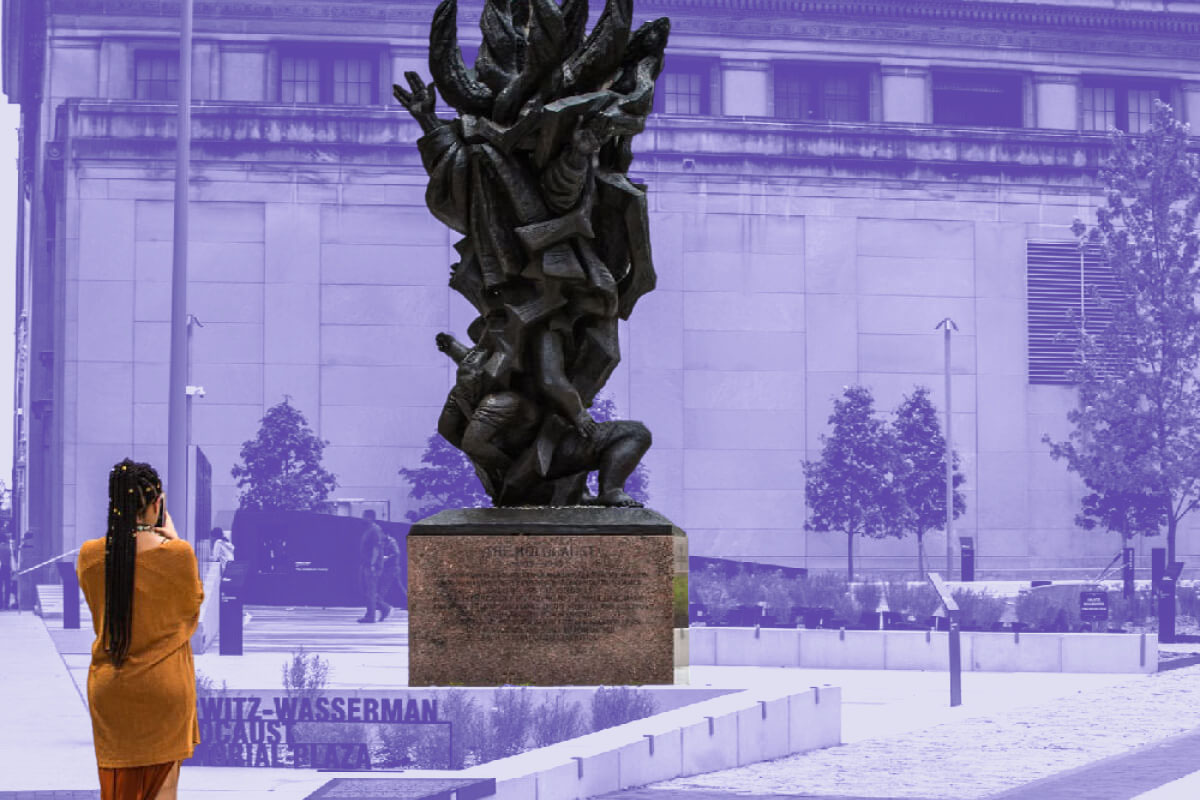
column 168, row 527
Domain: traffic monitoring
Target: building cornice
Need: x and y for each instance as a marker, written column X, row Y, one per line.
column 942, row 12
column 1023, row 26
column 953, row 12
column 140, row 132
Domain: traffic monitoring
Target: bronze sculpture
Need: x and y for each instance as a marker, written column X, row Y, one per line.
column 556, row 240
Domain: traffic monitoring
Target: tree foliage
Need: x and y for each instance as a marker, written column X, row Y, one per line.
column 1136, row 436
column 921, row 450
column 281, row 467
column 853, row 487
column 1125, row 512
column 447, row 481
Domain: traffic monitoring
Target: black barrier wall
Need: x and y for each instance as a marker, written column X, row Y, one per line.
column 299, row 558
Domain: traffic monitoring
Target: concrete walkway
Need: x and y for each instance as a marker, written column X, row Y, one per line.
column 46, row 735
column 1138, row 736
column 1147, row 773
column 46, row 747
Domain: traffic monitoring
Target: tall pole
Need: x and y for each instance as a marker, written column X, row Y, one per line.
column 946, row 324
column 176, row 483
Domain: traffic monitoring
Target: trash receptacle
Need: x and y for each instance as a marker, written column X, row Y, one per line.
column 966, row 545
column 233, row 581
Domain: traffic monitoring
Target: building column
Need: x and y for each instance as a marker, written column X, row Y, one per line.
column 746, row 88
column 1191, row 105
column 905, row 94
column 1056, row 101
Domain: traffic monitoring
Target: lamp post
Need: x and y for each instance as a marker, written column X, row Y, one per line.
column 177, row 380
column 947, row 324
column 190, row 391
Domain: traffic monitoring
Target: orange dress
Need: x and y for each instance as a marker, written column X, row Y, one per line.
column 145, row 712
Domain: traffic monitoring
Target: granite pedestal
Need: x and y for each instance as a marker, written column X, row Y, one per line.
column 572, row 596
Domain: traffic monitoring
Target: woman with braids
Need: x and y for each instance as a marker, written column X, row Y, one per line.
column 143, row 586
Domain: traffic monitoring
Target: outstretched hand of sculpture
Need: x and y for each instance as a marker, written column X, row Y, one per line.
column 420, row 100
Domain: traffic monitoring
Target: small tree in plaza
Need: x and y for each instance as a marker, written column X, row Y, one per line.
column 1122, row 512
column 853, row 487
column 281, row 467
column 447, row 481
column 1136, row 437
column 921, row 451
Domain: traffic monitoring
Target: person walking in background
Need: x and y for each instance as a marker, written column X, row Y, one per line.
column 390, row 574
column 372, row 550
column 142, row 584
column 222, row 548
column 8, row 569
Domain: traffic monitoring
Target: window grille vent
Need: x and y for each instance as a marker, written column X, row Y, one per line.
column 1059, row 277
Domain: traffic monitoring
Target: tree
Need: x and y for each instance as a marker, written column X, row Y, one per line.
column 1136, row 430
column 921, row 450
column 449, row 481
column 1124, row 512
column 281, row 467
column 604, row 409
column 853, row 487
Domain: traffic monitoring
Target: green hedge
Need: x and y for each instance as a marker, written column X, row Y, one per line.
column 1050, row 607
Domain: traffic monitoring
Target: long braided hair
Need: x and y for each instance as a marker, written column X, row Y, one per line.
column 132, row 486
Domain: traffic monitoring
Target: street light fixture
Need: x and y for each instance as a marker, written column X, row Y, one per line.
column 947, row 324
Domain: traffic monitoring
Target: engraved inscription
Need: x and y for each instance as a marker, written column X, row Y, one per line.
column 541, row 592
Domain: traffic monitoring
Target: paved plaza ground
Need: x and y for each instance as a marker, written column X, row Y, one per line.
column 1017, row 736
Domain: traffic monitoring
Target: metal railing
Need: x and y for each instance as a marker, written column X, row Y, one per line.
column 47, row 561
column 27, row 570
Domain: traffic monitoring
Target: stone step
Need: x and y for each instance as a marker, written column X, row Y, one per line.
column 50, row 603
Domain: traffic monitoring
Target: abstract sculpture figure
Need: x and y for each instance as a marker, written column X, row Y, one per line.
column 556, row 242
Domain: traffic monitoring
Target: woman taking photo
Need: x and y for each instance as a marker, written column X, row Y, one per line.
column 143, row 587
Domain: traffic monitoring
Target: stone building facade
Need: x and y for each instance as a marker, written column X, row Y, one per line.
column 828, row 180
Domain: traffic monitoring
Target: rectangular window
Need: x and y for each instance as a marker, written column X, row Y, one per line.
column 1060, row 280
column 1099, row 108
column 326, row 77
column 977, row 99
column 683, row 92
column 300, row 79
column 821, row 93
column 156, row 75
column 1111, row 104
column 353, row 81
column 684, row 87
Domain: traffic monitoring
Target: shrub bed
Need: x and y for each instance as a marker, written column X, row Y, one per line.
column 828, row 600
column 512, row 722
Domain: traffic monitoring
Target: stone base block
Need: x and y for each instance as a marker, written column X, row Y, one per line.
column 578, row 596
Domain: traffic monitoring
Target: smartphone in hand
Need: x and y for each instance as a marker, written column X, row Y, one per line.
column 162, row 514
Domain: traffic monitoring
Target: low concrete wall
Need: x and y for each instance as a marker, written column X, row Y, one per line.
column 980, row 652
column 729, row 731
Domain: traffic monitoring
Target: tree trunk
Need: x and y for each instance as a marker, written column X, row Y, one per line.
column 920, row 557
column 850, row 556
column 1172, row 524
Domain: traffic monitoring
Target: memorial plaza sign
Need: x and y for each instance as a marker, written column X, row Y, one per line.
column 275, row 729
